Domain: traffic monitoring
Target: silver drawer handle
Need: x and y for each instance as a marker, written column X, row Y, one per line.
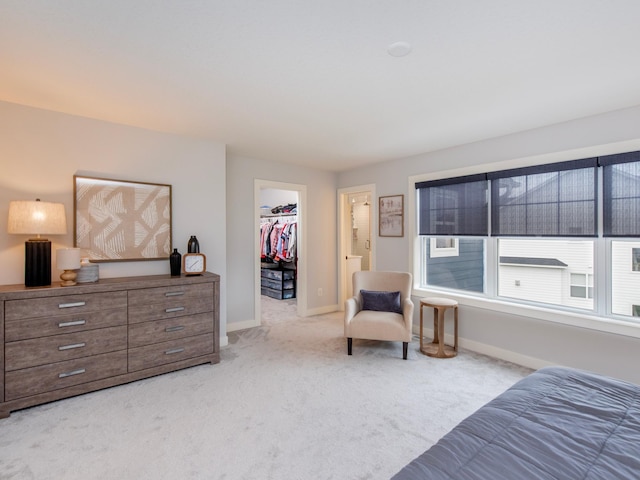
column 174, row 309
column 72, row 324
column 173, row 294
column 72, row 304
column 71, row 373
column 177, row 328
column 72, row 346
column 174, row 350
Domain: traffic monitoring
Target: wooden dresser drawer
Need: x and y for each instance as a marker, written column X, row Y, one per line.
column 147, row 333
column 168, row 352
column 59, row 348
column 46, row 378
column 158, row 303
column 63, row 305
column 59, row 324
column 147, row 313
column 162, row 294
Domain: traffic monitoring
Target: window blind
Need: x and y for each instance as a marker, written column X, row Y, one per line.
column 453, row 206
column 553, row 200
column 621, row 192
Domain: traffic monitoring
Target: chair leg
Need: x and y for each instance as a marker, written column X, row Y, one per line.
column 349, row 345
column 405, row 347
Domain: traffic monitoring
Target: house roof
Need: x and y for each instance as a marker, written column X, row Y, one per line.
column 533, row 261
column 312, row 82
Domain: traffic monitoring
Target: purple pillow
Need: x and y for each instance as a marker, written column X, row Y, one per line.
column 381, row 301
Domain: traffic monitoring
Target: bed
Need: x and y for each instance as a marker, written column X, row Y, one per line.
column 557, row 423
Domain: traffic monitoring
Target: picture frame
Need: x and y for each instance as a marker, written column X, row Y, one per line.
column 120, row 220
column 391, row 216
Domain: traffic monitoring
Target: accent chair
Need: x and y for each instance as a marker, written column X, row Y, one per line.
column 380, row 309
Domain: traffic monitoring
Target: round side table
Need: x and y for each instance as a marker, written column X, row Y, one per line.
column 437, row 348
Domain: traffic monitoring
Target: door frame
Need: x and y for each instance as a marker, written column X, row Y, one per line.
column 344, row 233
column 301, row 241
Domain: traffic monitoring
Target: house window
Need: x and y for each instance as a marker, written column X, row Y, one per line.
column 636, row 311
column 581, row 285
column 635, row 259
column 443, row 247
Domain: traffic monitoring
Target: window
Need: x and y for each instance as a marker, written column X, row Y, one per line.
column 625, row 281
column 463, row 271
column 443, row 247
column 536, row 270
column 455, row 206
column 557, row 200
column 540, row 227
column 581, row 285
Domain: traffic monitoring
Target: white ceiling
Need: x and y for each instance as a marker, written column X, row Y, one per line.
column 311, row 82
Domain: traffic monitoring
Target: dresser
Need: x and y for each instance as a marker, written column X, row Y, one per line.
column 57, row 342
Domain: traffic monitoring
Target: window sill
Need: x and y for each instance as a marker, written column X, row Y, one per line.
column 591, row 322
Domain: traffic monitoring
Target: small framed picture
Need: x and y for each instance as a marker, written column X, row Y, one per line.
column 391, row 216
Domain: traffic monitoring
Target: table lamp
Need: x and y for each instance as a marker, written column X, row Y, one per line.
column 27, row 217
column 68, row 259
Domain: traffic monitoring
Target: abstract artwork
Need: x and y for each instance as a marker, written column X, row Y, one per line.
column 391, row 216
column 118, row 220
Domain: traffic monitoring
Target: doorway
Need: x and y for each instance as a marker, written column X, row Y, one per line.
column 280, row 279
column 356, row 227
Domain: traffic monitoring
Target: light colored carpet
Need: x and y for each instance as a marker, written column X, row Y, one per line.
column 286, row 402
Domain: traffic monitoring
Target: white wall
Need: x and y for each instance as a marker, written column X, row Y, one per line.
column 321, row 238
column 40, row 151
column 274, row 197
column 526, row 340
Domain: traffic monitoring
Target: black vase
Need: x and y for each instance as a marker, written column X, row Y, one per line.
column 193, row 245
column 175, row 261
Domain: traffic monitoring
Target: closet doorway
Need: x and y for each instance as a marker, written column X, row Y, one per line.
column 356, row 220
column 280, row 279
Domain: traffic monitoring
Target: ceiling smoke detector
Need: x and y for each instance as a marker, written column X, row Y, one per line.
column 399, row 49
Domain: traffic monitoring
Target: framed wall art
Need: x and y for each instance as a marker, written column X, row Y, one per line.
column 391, row 216
column 117, row 220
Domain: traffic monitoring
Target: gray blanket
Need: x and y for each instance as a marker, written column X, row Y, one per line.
column 557, row 423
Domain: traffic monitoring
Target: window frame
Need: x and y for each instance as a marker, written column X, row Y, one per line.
column 601, row 319
column 588, row 286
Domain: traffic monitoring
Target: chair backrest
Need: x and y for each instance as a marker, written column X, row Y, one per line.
column 382, row 281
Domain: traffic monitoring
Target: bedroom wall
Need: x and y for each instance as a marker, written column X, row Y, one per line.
column 321, row 233
column 40, row 151
column 521, row 339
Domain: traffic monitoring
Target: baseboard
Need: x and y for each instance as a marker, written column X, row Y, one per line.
column 322, row 310
column 490, row 350
column 232, row 327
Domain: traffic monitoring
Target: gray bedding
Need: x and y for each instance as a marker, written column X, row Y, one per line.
column 557, row 423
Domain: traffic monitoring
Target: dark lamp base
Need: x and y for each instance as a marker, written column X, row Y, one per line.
column 37, row 263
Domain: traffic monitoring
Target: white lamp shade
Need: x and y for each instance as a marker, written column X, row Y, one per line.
column 36, row 218
column 68, row 258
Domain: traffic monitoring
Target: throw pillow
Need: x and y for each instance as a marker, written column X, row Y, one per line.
column 381, row 301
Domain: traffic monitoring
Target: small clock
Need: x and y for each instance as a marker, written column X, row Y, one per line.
column 194, row 263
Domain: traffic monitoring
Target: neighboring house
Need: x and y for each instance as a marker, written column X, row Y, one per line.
column 559, row 272
column 455, row 263
column 625, row 283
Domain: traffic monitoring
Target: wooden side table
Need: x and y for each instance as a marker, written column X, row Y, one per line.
column 437, row 348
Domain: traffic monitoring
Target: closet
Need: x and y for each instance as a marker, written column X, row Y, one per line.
column 278, row 248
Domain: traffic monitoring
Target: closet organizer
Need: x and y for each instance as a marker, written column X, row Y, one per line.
column 278, row 259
